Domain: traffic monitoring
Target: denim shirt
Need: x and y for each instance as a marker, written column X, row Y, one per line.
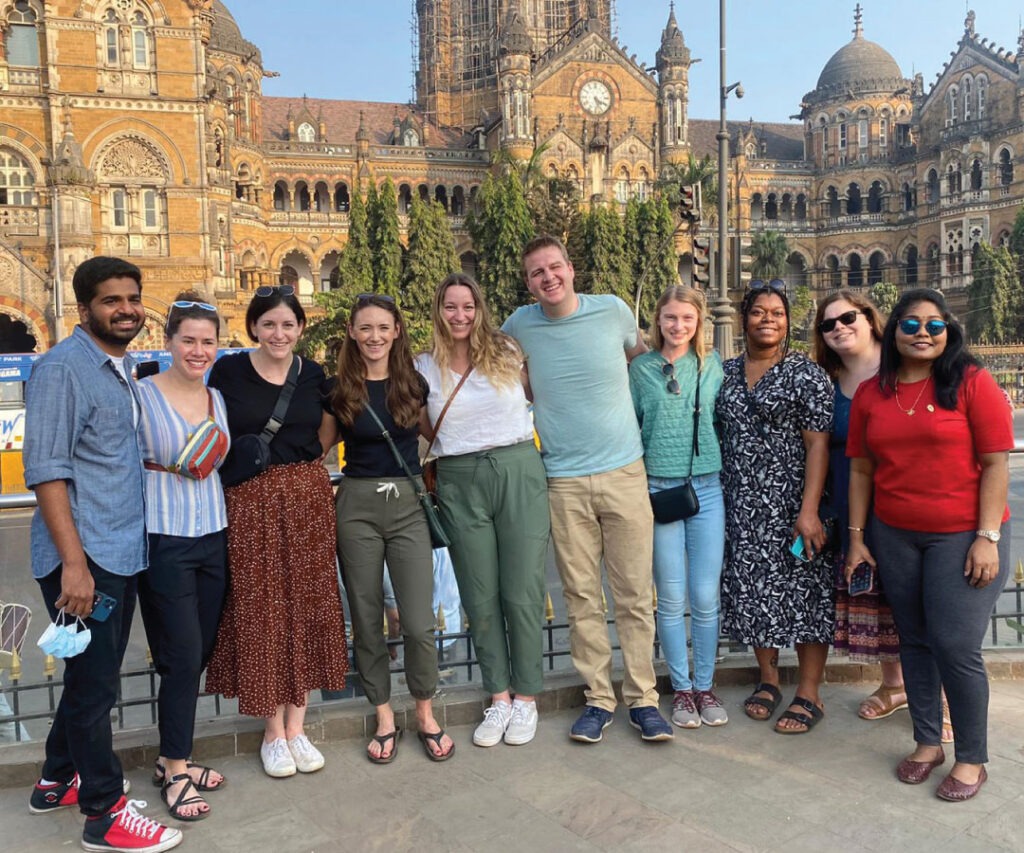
column 80, row 427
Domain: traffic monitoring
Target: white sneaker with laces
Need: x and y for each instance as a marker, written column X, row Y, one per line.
column 522, row 726
column 277, row 759
column 492, row 729
column 308, row 759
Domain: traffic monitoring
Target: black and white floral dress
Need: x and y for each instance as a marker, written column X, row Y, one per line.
column 769, row 598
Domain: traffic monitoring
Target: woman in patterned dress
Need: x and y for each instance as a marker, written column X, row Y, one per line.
column 775, row 409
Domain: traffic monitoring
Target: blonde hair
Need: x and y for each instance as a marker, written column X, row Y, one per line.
column 492, row 353
column 689, row 296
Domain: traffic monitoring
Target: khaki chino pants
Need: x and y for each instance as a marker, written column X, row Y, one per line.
column 607, row 515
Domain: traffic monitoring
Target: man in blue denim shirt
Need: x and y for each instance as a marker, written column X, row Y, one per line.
column 82, row 458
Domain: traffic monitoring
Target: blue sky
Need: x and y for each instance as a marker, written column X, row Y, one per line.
column 358, row 50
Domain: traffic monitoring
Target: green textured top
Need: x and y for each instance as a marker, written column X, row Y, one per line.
column 666, row 420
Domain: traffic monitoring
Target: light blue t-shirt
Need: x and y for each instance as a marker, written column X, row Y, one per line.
column 583, row 410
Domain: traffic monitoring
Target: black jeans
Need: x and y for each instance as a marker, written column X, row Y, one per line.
column 80, row 737
column 181, row 597
column 942, row 621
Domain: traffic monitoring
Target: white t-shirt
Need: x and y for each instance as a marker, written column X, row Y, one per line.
column 480, row 417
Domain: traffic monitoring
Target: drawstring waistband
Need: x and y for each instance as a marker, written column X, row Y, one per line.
column 388, row 489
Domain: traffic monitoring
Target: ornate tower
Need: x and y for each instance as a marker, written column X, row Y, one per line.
column 673, row 63
column 515, row 83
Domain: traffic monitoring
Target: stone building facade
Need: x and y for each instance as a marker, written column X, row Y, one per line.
column 139, row 128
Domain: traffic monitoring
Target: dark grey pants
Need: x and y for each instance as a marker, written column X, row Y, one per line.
column 942, row 621
column 377, row 522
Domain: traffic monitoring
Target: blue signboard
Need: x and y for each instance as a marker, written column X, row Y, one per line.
column 17, row 367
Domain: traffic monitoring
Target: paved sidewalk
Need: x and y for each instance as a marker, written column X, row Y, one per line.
column 738, row 787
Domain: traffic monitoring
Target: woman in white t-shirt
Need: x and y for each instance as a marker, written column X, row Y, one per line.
column 492, row 492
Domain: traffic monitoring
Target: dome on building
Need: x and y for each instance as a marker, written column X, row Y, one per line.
column 225, row 35
column 858, row 68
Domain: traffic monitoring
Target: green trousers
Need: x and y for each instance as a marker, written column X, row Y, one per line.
column 378, row 521
column 494, row 506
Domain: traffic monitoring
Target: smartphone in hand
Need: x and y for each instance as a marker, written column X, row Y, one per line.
column 797, row 549
column 862, row 580
column 102, row 605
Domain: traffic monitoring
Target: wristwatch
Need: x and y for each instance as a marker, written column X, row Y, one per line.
column 990, row 535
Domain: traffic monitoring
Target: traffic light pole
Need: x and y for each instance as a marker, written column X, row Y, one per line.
column 722, row 311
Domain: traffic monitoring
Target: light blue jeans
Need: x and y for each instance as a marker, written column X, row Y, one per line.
column 688, row 564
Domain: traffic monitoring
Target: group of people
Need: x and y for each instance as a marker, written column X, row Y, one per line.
column 791, row 475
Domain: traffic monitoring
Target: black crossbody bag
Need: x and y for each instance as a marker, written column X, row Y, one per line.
column 680, row 502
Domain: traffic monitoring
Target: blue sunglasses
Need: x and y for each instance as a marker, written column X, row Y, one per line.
column 911, row 326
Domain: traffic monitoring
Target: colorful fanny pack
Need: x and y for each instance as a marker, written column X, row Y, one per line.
column 203, row 451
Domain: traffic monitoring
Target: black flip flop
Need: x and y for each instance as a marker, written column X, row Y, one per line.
column 809, row 720
column 436, row 738
column 770, row 704
column 395, row 736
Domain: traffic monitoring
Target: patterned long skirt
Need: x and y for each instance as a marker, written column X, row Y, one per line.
column 283, row 631
column 865, row 629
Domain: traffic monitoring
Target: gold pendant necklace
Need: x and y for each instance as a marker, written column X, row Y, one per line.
column 909, row 412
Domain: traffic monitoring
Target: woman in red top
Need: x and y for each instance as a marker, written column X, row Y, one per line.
column 930, row 441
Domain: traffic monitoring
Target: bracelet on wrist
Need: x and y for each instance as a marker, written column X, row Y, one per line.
column 855, row 529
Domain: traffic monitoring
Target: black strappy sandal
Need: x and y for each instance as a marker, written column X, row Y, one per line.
column 202, row 784
column 183, row 799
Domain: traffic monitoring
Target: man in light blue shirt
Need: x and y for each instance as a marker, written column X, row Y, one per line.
column 83, row 460
column 578, row 347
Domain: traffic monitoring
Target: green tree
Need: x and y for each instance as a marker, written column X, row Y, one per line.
column 768, row 253
column 602, row 265
column 675, row 176
column 1017, row 236
column 321, row 332
column 655, row 268
column 385, row 242
column 994, row 299
column 429, row 259
column 555, row 209
column 885, row 296
column 355, row 266
column 500, row 227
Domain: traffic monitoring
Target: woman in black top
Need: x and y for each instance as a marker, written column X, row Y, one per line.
column 282, row 633
column 379, row 517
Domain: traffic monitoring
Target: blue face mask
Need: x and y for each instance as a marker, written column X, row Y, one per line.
column 62, row 639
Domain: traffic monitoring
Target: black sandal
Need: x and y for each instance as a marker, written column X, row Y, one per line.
column 771, row 704
column 394, row 736
column 436, row 738
column 809, row 720
column 183, row 799
column 202, row 784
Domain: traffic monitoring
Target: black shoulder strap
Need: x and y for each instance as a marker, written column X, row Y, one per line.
column 394, row 450
column 283, row 399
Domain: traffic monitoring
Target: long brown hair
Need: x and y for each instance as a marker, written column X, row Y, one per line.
column 824, row 355
column 492, row 353
column 690, row 296
column 405, row 386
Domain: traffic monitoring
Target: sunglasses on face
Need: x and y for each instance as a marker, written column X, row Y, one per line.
column 205, row 306
column 383, row 297
column 268, row 290
column 847, row 318
column 668, row 370
column 911, row 326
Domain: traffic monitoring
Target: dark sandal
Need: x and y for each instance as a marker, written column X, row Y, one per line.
column 809, row 720
column 436, row 738
column 202, row 784
column 754, row 700
column 395, row 736
column 183, row 799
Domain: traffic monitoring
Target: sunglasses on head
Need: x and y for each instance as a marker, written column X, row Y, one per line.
column 776, row 285
column 668, row 370
column 383, row 297
column 206, row 306
column 847, row 318
column 268, row 290
column 911, row 326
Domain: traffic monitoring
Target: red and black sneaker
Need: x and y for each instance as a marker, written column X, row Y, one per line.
column 124, row 829
column 56, row 795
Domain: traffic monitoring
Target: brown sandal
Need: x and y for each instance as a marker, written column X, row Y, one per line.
column 882, row 703
column 947, row 723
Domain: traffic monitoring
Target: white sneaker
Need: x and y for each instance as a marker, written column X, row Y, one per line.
column 522, row 726
column 492, row 729
column 277, row 759
column 308, row 759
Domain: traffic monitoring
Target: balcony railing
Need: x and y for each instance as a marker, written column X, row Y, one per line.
column 20, row 221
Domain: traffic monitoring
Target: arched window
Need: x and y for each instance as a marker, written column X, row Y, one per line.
column 853, row 200
column 910, row 267
column 424, row 192
column 404, row 198
column 954, row 179
column 883, row 133
column 410, row 138
column 281, row 198
column 786, row 208
column 756, row 207
column 441, row 195
column 458, row 202
column 951, row 105
column 933, row 186
column 875, row 197
column 771, row 207
column 875, row 264
column 908, row 197
column 981, row 84
column 832, row 197
column 862, row 130
column 968, row 101
column 21, row 40
column 801, row 207
column 976, row 174
column 321, row 198
column 112, row 50
column 855, row 275
column 302, row 200
column 622, row 186
column 643, row 182
column 306, row 132
column 17, row 182
column 140, row 41
column 833, row 275
column 341, row 199
column 1005, row 168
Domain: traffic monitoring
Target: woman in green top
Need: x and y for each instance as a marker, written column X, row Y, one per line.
column 688, row 553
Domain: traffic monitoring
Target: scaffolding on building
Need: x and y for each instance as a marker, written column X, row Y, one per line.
column 454, row 47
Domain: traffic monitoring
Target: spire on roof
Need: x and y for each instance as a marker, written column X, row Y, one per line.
column 858, row 22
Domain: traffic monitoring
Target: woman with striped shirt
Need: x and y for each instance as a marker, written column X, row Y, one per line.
column 182, row 593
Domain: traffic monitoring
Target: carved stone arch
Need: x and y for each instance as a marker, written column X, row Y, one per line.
column 999, row 146
column 831, row 251
column 31, row 315
column 151, row 134
column 37, row 6
column 131, row 155
column 92, row 9
column 282, row 251
column 27, row 146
